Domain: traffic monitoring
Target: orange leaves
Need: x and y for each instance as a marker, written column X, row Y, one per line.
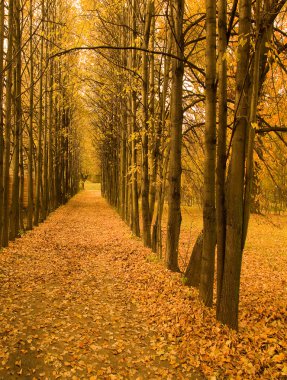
column 101, row 309
column 280, row 358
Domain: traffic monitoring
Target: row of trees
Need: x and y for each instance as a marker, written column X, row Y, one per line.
column 178, row 94
column 39, row 149
column 180, row 86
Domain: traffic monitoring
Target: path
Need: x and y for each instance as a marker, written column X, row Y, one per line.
column 72, row 307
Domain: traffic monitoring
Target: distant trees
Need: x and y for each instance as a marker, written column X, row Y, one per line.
column 38, row 143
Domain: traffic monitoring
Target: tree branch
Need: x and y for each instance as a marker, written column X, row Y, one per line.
column 270, row 129
column 94, row 48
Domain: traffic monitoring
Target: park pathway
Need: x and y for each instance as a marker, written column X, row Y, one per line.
column 73, row 297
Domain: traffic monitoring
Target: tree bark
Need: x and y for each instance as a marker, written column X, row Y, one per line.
column 262, row 41
column 160, row 162
column 209, row 218
column 31, row 140
column 39, row 185
column 8, row 127
column 221, row 143
column 2, row 29
column 134, row 175
column 229, row 299
column 145, row 130
column 15, row 205
column 174, row 178
column 193, row 271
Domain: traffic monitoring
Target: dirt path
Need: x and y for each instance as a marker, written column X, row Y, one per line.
column 69, row 302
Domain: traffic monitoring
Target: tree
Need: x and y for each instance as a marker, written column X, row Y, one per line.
column 8, row 127
column 2, row 29
column 28, row 150
column 137, row 110
column 209, row 222
column 146, row 122
column 176, row 118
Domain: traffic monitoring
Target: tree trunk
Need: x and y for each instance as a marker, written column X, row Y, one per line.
column 39, row 185
column 8, row 126
column 145, row 129
column 51, row 131
column 15, row 205
column 221, row 143
column 44, row 212
column 262, row 43
column 2, row 15
column 154, row 151
column 158, row 156
column 135, row 202
column 31, row 140
column 174, row 178
column 209, row 219
column 229, row 300
column 193, row 271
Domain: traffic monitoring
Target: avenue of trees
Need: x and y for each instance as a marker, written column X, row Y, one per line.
column 38, row 136
column 186, row 103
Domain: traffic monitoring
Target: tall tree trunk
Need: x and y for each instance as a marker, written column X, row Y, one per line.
column 45, row 139
column 263, row 38
column 31, row 140
column 52, row 119
column 135, row 202
column 38, row 199
column 134, row 175
column 123, row 164
column 159, row 159
column 154, row 151
column 15, row 205
column 157, row 226
column 174, row 178
column 123, row 136
column 2, row 28
column 51, row 158
column 145, row 129
column 57, row 149
column 229, row 300
column 209, row 219
column 221, row 143
column 8, row 126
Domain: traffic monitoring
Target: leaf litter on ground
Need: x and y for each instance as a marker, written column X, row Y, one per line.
column 81, row 299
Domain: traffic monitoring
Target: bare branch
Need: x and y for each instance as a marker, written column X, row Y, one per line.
column 94, row 48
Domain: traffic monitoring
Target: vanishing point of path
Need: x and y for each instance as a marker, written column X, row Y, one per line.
column 72, row 296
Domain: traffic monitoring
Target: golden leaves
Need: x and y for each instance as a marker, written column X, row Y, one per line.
column 101, row 308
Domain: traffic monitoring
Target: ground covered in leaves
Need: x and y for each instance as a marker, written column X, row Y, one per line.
column 82, row 299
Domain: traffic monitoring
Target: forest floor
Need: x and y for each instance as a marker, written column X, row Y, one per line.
column 82, row 299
